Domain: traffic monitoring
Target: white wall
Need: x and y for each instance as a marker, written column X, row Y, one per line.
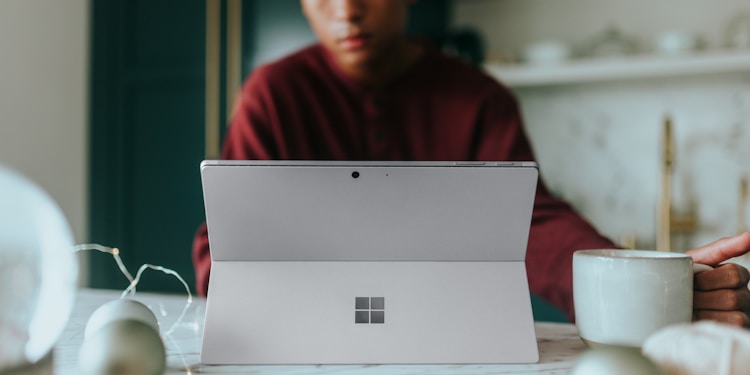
column 43, row 98
column 598, row 144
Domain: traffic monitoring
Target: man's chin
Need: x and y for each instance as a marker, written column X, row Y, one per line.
column 355, row 60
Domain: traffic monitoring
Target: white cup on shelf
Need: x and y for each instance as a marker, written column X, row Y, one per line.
column 676, row 42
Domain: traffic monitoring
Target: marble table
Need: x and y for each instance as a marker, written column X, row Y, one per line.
column 182, row 323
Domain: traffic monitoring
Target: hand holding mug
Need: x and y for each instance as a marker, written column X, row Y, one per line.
column 622, row 296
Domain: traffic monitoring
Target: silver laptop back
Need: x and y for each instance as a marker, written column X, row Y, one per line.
column 368, row 262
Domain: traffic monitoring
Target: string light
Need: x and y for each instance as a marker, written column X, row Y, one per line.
column 109, row 250
column 131, row 289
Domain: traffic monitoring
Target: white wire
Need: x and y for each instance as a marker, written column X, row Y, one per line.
column 109, row 250
column 169, row 272
column 115, row 252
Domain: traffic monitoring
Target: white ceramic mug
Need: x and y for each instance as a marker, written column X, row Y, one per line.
column 622, row 296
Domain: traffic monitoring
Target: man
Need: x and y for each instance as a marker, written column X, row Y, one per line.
column 367, row 92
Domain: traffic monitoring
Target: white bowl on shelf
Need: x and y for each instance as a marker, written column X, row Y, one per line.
column 676, row 42
column 546, row 53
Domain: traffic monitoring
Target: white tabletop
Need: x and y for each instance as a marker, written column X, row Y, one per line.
column 182, row 324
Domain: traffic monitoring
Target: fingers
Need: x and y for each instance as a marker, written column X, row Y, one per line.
column 721, row 294
column 735, row 318
column 722, row 300
column 721, row 250
column 727, row 276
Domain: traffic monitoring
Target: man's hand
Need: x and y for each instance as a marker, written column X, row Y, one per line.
column 722, row 294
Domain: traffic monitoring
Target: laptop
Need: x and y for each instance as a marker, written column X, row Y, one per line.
column 331, row 262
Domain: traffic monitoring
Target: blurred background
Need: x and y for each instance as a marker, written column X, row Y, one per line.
column 111, row 105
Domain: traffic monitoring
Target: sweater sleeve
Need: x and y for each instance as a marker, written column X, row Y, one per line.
column 557, row 230
column 249, row 137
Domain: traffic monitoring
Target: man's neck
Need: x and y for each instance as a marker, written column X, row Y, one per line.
column 389, row 66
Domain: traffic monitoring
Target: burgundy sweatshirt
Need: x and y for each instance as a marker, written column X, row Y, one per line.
column 303, row 107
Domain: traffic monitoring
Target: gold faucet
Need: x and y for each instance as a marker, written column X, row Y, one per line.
column 668, row 223
column 741, row 219
column 628, row 240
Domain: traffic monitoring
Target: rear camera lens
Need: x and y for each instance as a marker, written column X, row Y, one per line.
column 355, row 174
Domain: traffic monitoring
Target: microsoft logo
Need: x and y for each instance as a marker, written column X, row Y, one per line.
column 369, row 310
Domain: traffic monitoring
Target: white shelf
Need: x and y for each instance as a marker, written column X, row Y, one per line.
column 635, row 67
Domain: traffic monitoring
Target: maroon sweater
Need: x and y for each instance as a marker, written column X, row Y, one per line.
column 303, row 107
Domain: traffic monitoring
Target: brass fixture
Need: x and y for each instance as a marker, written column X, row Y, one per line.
column 231, row 27
column 627, row 240
column 668, row 222
column 741, row 219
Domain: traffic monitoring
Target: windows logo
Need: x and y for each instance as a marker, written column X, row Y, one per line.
column 369, row 310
